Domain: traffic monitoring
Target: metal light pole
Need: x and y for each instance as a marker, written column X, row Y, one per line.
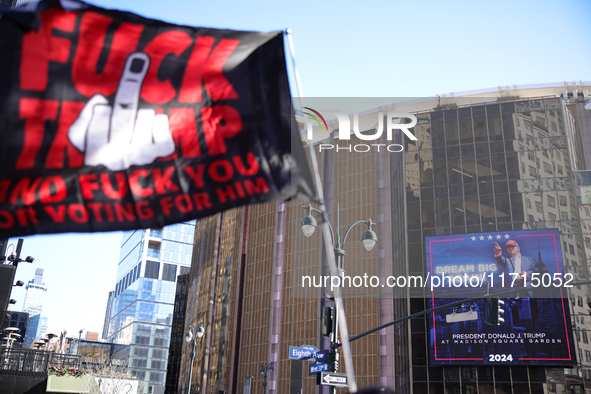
column 263, row 372
column 13, row 259
column 79, row 338
column 190, row 338
column 368, row 239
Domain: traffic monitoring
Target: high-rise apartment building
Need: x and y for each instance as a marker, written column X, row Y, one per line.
column 33, row 305
column 143, row 301
column 496, row 161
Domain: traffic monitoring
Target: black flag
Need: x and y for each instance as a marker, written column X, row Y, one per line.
column 111, row 121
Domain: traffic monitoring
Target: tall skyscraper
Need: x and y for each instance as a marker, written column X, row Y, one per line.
column 143, row 301
column 35, row 294
column 33, row 305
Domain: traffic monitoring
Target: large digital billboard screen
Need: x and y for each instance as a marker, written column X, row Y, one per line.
column 536, row 327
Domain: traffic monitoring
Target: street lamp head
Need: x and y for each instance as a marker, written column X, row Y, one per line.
column 189, row 335
column 271, row 367
column 30, row 259
column 308, row 225
column 12, row 301
column 19, row 283
column 369, row 239
column 262, row 370
column 200, row 330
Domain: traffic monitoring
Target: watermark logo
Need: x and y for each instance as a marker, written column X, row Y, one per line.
column 395, row 121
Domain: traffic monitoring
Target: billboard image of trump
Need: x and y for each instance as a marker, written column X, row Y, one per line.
column 535, row 327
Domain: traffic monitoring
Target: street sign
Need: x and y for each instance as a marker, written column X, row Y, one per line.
column 304, row 352
column 334, row 379
column 465, row 316
column 315, row 368
column 321, row 355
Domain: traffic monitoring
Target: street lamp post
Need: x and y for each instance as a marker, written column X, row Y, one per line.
column 263, row 372
column 369, row 239
column 14, row 259
column 79, row 339
column 191, row 339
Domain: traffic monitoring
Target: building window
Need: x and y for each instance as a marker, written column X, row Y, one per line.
column 156, row 232
column 552, row 217
column 563, row 215
column 580, row 301
column 562, row 200
column 532, row 171
column 588, row 356
column 527, row 124
column 169, row 272
column 140, row 375
column 571, row 249
column 585, row 339
column 154, row 251
column 152, row 269
column 560, row 169
column 539, row 207
column 551, row 201
column 185, row 269
column 547, row 168
column 531, row 156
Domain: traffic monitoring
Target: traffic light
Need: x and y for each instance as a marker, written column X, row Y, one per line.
column 326, row 321
column 494, row 311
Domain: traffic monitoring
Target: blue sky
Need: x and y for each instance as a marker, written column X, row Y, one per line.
column 343, row 49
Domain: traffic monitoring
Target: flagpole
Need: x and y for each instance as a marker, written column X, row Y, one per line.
column 341, row 318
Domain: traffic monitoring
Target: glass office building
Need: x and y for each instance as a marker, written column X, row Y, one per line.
column 143, row 301
column 33, row 305
column 36, row 328
column 506, row 164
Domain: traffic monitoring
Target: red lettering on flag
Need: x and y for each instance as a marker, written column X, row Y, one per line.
column 26, row 190
column 61, row 144
column 36, row 112
column 40, row 47
column 53, row 189
column 205, row 66
column 154, row 90
column 58, row 214
column 219, row 123
column 184, row 132
column 93, row 33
